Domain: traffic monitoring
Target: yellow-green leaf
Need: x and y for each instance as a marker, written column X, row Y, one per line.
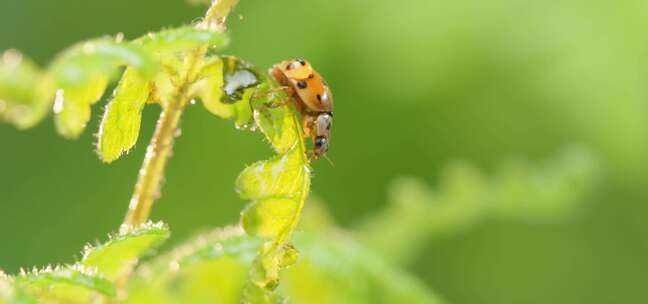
column 72, row 105
column 25, row 94
column 279, row 126
column 223, row 93
column 211, row 268
column 65, row 284
column 100, row 57
column 277, row 188
column 209, row 89
column 121, row 121
column 115, row 258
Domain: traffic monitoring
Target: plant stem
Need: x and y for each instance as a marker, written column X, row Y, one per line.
column 151, row 175
column 159, row 150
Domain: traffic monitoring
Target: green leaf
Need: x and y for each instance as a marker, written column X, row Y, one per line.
column 120, row 125
column 116, row 257
column 333, row 268
column 182, row 39
column 279, row 126
column 231, row 88
column 277, row 188
column 209, row 89
column 227, row 86
column 209, row 269
column 72, row 106
column 25, row 94
column 100, row 57
column 67, row 284
column 466, row 197
column 82, row 74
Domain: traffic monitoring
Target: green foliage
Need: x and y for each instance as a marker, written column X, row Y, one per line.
column 82, row 73
column 245, row 264
column 114, row 259
column 169, row 68
column 336, row 269
column 78, row 77
column 277, row 187
column 213, row 268
column 237, row 82
column 22, row 102
column 66, row 284
column 121, row 122
column 465, row 197
column 90, row 279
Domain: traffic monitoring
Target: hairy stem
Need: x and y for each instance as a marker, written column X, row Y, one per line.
column 151, row 175
column 159, row 150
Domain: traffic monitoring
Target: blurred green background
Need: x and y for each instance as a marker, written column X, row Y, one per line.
column 417, row 84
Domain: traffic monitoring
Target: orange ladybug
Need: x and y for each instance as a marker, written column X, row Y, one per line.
column 313, row 99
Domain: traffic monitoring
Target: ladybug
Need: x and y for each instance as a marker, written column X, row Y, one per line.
column 313, row 99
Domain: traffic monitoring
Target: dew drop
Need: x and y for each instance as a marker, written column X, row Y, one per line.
column 12, row 58
column 247, row 126
column 58, row 101
column 119, row 37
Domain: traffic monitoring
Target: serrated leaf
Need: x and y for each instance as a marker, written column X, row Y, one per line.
column 116, row 257
column 25, row 94
column 182, row 39
column 69, row 284
column 277, row 188
column 285, row 175
column 120, row 125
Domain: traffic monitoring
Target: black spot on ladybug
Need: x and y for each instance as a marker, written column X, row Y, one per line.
column 311, row 76
column 301, row 84
column 289, row 66
column 301, row 61
column 319, row 97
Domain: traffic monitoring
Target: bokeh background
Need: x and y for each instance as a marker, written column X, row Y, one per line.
column 417, row 84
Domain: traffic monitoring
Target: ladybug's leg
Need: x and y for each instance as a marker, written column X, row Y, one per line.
column 308, row 123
